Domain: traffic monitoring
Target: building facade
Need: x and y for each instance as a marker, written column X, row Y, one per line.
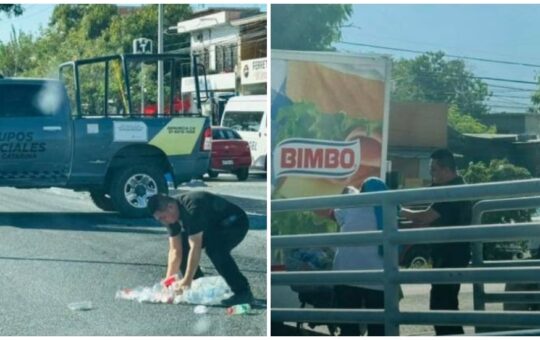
column 231, row 44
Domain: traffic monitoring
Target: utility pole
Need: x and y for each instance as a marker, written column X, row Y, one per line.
column 160, row 62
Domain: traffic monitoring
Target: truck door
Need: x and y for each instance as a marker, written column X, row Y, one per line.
column 35, row 139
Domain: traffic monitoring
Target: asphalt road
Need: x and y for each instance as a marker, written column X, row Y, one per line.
column 57, row 248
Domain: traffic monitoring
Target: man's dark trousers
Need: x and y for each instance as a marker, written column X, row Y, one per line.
column 219, row 244
column 445, row 296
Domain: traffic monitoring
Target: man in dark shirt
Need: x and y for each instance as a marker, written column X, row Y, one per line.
column 207, row 221
column 444, row 255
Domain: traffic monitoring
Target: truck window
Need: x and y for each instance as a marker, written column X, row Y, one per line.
column 29, row 100
column 243, row 120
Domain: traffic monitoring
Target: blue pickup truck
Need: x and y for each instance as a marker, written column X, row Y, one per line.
column 89, row 131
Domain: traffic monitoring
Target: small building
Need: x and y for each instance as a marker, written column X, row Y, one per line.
column 415, row 131
column 231, row 44
column 516, row 123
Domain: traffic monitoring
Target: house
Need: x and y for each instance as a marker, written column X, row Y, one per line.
column 231, row 44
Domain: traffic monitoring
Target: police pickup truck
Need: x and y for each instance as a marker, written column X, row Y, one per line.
column 89, row 130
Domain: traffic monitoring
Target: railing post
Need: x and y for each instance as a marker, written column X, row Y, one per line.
column 477, row 249
column 391, row 268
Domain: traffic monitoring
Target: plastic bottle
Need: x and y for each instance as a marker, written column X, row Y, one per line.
column 170, row 182
column 239, row 309
column 83, row 305
column 168, row 281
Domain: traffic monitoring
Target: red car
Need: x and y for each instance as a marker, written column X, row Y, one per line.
column 230, row 153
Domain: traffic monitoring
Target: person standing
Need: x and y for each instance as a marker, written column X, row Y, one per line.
column 444, row 255
column 360, row 258
column 207, row 221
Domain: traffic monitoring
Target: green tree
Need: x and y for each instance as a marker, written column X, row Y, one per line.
column 466, row 124
column 17, row 55
column 15, row 10
column 307, row 27
column 499, row 170
column 431, row 78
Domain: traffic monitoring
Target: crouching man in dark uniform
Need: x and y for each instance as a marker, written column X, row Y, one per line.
column 197, row 220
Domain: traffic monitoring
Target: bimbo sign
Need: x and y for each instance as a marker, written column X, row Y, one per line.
column 316, row 158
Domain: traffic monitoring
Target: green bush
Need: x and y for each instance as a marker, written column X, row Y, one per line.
column 500, row 170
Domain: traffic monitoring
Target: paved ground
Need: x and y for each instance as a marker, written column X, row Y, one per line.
column 57, row 248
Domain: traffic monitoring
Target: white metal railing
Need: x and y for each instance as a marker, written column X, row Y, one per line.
column 391, row 238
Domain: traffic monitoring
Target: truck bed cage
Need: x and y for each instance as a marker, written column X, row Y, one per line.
column 125, row 60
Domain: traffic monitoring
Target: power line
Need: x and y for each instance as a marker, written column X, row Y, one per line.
column 508, row 80
column 447, row 55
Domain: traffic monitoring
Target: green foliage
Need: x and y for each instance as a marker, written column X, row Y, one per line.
column 291, row 223
column 499, row 170
column 307, row 27
column 431, row 78
column 15, row 10
column 78, row 31
column 18, row 55
column 304, row 120
column 466, row 124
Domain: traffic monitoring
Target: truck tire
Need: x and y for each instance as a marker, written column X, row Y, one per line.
column 131, row 186
column 102, row 201
column 242, row 174
column 212, row 173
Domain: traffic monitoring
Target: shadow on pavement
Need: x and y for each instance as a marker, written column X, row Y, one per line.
column 79, row 261
column 104, row 222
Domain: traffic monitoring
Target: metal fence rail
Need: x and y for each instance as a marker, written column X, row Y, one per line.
column 391, row 238
column 480, row 297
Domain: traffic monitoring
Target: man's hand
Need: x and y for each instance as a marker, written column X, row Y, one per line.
column 181, row 286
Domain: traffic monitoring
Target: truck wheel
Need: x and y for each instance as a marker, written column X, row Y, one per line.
column 242, row 174
column 131, row 187
column 101, row 200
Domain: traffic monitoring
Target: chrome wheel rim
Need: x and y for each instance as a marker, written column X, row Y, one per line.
column 138, row 188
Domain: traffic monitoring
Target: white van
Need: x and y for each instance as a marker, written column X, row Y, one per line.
column 247, row 115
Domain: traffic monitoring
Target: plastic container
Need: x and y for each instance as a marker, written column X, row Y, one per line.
column 200, row 309
column 170, row 182
column 239, row 309
column 80, row 306
column 170, row 280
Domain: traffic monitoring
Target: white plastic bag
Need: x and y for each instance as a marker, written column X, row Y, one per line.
column 204, row 291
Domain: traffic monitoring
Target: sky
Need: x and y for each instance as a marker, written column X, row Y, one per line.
column 497, row 32
column 37, row 15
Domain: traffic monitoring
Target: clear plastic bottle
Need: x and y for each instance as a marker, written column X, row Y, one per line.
column 82, row 306
column 170, row 182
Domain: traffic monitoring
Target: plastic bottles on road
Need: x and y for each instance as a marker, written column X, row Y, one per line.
column 83, row 306
column 239, row 309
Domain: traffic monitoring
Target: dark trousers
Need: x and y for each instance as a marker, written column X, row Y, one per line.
column 357, row 297
column 219, row 244
column 445, row 296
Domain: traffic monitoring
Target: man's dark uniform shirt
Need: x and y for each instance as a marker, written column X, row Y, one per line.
column 202, row 211
column 224, row 226
column 448, row 255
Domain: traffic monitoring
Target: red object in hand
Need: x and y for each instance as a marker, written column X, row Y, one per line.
column 169, row 281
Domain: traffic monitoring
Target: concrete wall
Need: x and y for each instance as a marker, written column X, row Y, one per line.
column 418, row 125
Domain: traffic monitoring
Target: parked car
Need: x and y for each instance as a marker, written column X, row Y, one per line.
column 230, row 153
